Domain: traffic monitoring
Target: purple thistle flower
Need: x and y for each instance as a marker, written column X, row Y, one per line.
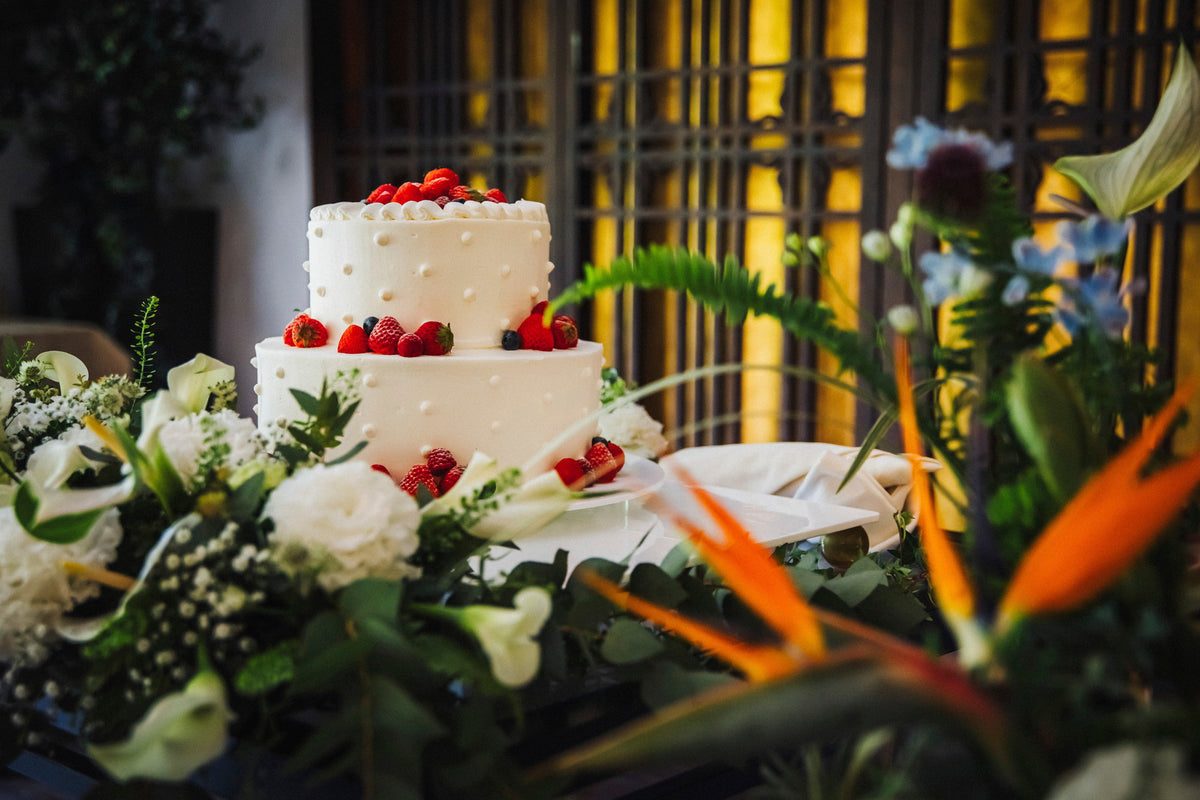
column 913, row 144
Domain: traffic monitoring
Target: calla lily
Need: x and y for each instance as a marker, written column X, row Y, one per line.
column 67, row 370
column 191, row 383
column 522, row 509
column 180, row 733
column 507, row 634
column 1128, row 180
column 8, row 388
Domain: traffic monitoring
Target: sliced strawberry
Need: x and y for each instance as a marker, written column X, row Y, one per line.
column 382, row 468
column 384, row 336
column 354, row 340
column 571, row 474
column 440, row 460
column 437, row 338
column 408, row 192
column 451, row 478
column 410, row 346
column 602, row 461
column 495, row 195
column 618, row 454
column 566, row 332
column 418, row 475
column 304, row 331
column 382, row 193
column 535, row 335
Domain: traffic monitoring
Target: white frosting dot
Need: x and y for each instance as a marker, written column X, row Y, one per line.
column 348, row 319
column 347, row 269
column 496, row 426
column 370, row 381
column 306, row 266
column 536, row 236
column 254, row 361
column 505, row 270
column 548, row 398
column 469, row 294
column 320, row 290
column 494, row 380
column 534, row 291
column 425, row 270
column 587, row 372
column 381, row 239
column 467, row 237
column 279, row 372
column 599, row 383
column 426, row 407
column 549, row 267
column 369, row 431
column 317, row 232
column 385, row 295
column 505, row 323
column 426, row 449
column 258, row 388
column 255, row 409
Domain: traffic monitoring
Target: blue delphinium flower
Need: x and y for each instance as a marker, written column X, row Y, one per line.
column 1030, row 257
column 1094, row 237
column 912, row 144
column 944, row 273
column 1098, row 298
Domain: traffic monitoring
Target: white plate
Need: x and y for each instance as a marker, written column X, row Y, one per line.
column 638, row 477
column 774, row 520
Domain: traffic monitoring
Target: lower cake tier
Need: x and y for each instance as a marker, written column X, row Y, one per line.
column 511, row 405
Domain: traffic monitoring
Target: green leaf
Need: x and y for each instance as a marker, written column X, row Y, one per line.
column 267, row 670
column 669, row 683
column 324, row 671
column 244, row 500
column 370, row 597
column 651, row 583
column 628, row 642
column 1130, row 179
column 854, row 587
column 308, row 404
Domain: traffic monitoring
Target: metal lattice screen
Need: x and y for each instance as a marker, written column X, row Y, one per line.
column 723, row 126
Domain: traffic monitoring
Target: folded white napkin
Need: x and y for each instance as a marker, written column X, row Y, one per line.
column 809, row 471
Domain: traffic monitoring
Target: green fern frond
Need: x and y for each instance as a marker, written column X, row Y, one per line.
column 733, row 290
column 143, row 342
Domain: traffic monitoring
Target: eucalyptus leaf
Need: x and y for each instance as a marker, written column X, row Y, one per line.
column 628, row 642
column 326, row 670
column 1137, row 176
column 668, row 682
column 651, row 583
column 853, row 588
column 370, row 597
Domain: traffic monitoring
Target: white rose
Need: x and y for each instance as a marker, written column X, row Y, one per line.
column 632, row 427
column 343, row 522
column 198, row 443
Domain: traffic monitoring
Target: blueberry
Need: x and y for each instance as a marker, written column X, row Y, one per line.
column 599, row 440
column 369, row 324
column 511, row 340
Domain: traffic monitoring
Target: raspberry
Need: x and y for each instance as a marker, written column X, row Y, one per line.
column 437, row 338
column 534, row 334
column 354, row 340
column 382, row 194
column 602, row 461
column 571, row 473
column 408, row 192
column 440, row 460
column 304, row 331
column 410, row 346
column 495, row 195
column 442, row 172
column 566, row 333
column 442, row 200
column 384, row 336
column 451, row 478
column 418, row 475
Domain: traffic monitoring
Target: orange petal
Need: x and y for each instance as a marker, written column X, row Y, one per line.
column 758, row 662
column 947, row 575
column 1103, row 529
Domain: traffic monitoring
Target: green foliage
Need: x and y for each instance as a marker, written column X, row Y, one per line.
column 327, row 415
column 143, row 342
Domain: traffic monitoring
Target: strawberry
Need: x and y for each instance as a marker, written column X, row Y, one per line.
column 539, row 308
column 566, row 333
column 410, row 345
column 602, row 461
column 418, row 475
column 495, row 195
column 408, row 192
column 463, row 193
column 382, row 468
column 354, row 340
column 382, row 194
column 571, row 473
column 451, row 478
column 304, row 331
column 384, row 336
column 437, row 338
column 438, row 187
column 442, row 172
column 617, row 453
column 440, row 460
column 534, row 334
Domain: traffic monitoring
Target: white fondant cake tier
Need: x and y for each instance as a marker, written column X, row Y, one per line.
column 508, row 404
column 478, row 267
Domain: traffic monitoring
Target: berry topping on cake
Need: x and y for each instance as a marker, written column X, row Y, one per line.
column 437, row 338
column 384, row 336
column 604, row 465
column 495, row 195
column 382, row 468
column 418, row 475
column 451, row 478
column 368, row 324
column 534, row 334
column 410, row 346
column 618, row 454
column 566, row 332
column 354, row 340
column 304, row 331
column 510, row 340
column 539, row 308
column 408, row 192
column 440, row 185
column 382, row 194
column 571, row 473
column 440, row 460
column 442, row 173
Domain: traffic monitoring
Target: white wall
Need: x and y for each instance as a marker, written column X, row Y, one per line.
column 261, row 181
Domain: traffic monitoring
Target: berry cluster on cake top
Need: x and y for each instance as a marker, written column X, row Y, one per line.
column 440, row 185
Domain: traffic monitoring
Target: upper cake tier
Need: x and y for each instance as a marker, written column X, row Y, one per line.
column 480, row 275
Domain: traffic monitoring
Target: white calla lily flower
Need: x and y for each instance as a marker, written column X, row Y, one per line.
column 180, row 733
column 8, row 389
column 507, row 634
column 191, row 383
column 67, row 370
column 522, row 509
